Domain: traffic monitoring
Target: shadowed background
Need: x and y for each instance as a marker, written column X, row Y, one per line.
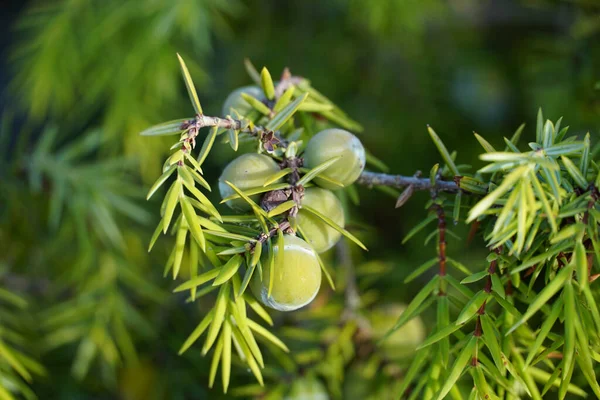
column 79, row 80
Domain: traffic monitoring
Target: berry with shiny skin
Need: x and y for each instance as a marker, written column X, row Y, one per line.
column 331, row 143
column 319, row 234
column 295, row 283
column 248, row 171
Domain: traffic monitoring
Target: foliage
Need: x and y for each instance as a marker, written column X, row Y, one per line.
column 82, row 72
column 89, row 76
column 536, row 210
column 537, row 219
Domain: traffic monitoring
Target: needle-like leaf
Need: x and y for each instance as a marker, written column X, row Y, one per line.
column 189, row 84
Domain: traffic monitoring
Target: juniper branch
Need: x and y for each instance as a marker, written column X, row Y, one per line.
column 204, row 121
column 371, row 179
column 367, row 178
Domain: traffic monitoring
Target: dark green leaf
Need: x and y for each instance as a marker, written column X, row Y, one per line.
column 443, row 320
column 471, row 308
column 497, row 285
column 421, row 269
column 439, row 335
column 458, row 265
column 419, row 227
column 408, row 313
column 477, row 276
column 465, row 291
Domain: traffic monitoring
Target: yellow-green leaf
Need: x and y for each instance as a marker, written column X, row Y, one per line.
column 214, row 365
column 192, row 223
column 317, row 170
column 219, row 316
column 267, row 335
column 228, row 270
column 267, row 84
column 281, row 208
column 335, row 226
column 197, row 281
column 189, row 84
column 197, row 332
column 443, row 151
column 171, row 202
column 285, row 114
column 226, row 355
column 161, row 180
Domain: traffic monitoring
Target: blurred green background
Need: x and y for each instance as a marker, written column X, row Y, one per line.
column 80, row 79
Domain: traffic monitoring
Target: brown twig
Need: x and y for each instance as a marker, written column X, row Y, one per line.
column 488, row 289
column 270, row 137
column 284, row 226
column 371, row 179
column 287, row 81
column 442, row 239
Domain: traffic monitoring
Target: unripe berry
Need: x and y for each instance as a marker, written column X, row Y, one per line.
column 332, row 143
column 402, row 343
column 295, row 282
column 248, row 171
column 237, row 102
column 318, row 233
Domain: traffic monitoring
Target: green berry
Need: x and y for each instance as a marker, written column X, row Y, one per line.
column 332, row 143
column 319, row 234
column 295, row 282
column 248, row 171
